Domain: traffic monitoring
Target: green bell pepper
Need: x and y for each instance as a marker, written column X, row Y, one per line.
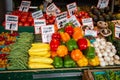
column 68, row 62
column 90, row 52
column 71, row 44
column 57, row 62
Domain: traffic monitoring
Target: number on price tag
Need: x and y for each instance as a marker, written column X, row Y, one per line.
column 88, row 22
column 25, row 6
column 37, row 25
column 47, row 32
column 102, row 3
column 11, row 22
column 72, row 8
column 117, row 31
column 37, row 14
column 74, row 20
column 91, row 33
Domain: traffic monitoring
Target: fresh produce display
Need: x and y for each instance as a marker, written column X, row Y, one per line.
column 40, row 56
column 18, row 56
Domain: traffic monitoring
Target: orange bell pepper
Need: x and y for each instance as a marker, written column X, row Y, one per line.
column 78, row 33
column 76, row 54
column 62, row 51
column 53, row 54
column 64, row 36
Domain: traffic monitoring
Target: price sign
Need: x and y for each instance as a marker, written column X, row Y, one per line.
column 102, row 3
column 91, row 33
column 61, row 19
column 25, row 6
column 37, row 25
column 88, row 22
column 11, row 22
column 74, row 20
column 53, row 9
column 117, row 31
column 37, row 14
column 72, row 8
column 47, row 32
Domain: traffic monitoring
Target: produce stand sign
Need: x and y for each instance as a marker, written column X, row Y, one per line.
column 74, row 20
column 88, row 22
column 11, row 22
column 47, row 31
column 52, row 9
column 91, row 33
column 117, row 31
column 37, row 14
column 72, row 7
column 61, row 19
column 102, row 3
column 37, row 25
column 25, row 6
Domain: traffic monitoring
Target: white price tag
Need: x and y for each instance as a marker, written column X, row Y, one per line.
column 88, row 22
column 74, row 20
column 72, row 8
column 47, row 32
column 91, row 33
column 37, row 25
column 117, row 31
column 37, row 14
column 25, row 6
column 53, row 9
column 102, row 3
column 11, row 22
column 61, row 16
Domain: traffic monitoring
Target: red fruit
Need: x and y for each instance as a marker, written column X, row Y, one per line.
column 29, row 19
column 56, row 36
column 69, row 30
column 26, row 24
column 20, row 24
column 23, row 20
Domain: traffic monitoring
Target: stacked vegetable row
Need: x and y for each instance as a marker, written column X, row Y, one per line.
column 18, row 56
column 40, row 56
column 69, row 48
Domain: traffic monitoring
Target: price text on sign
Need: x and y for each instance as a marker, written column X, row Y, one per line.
column 91, row 33
column 54, row 8
column 61, row 23
column 25, row 6
column 74, row 20
column 88, row 22
column 61, row 16
column 72, row 8
column 11, row 22
column 37, row 14
column 117, row 31
column 102, row 3
column 37, row 25
column 47, row 32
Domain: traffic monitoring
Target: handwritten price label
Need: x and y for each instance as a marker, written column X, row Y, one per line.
column 25, row 6
column 117, row 31
column 88, row 22
column 37, row 14
column 102, row 3
column 91, row 33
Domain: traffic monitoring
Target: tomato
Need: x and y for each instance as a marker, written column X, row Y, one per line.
column 32, row 24
column 20, row 24
column 26, row 24
column 23, row 20
column 30, row 19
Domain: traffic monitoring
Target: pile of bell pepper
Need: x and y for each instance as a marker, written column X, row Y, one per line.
column 69, row 48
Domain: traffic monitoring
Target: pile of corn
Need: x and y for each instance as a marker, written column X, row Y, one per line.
column 40, row 56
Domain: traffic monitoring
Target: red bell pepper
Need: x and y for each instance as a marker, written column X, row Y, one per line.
column 54, row 43
column 69, row 29
column 82, row 43
column 56, row 36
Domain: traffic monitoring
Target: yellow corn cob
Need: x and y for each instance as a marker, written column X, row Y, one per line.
column 38, row 53
column 40, row 65
column 41, row 59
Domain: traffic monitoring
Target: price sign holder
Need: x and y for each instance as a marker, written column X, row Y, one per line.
column 90, row 33
column 61, row 19
column 88, row 22
column 24, row 6
column 37, row 14
column 11, row 23
column 117, row 31
column 37, row 25
column 102, row 3
column 72, row 7
column 53, row 9
column 74, row 20
column 47, row 32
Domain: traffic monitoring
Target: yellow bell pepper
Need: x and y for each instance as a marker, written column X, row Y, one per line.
column 82, row 62
column 94, row 62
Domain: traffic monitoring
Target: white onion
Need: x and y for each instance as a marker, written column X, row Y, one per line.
column 107, row 58
column 111, row 63
column 116, row 57
column 105, row 54
column 99, row 54
column 102, row 64
column 101, row 59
